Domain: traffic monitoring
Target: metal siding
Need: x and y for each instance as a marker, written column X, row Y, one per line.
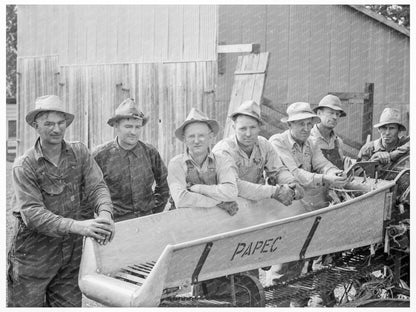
column 191, row 30
column 320, row 44
column 340, row 48
column 175, row 30
column 299, row 45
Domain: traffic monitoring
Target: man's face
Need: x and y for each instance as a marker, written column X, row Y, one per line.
column 329, row 117
column 197, row 137
column 127, row 131
column 51, row 127
column 247, row 130
column 301, row 129
column 389, row 133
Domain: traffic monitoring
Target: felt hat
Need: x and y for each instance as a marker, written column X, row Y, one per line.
column 248, row 108
column 390, row 116
column 331, row 101
column 196, row 115
column 128, row 109
column 48, row 103
column 299, row 111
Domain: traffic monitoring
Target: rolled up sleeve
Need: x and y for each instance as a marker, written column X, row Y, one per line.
column 226, row 188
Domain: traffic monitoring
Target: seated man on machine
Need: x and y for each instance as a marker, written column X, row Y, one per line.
column 390, row 149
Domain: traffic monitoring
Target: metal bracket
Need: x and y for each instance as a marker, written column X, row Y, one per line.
column 201, row 262
column 309, row 237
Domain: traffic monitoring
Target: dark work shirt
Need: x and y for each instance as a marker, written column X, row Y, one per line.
column 48, row 197
column 136, row 178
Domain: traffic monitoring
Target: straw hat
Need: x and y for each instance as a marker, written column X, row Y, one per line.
column 248, row 108
column 299, row 111
column 330, row 101
column 48, row 103
column 128, row 109
column 390, row 116
column 196, row 115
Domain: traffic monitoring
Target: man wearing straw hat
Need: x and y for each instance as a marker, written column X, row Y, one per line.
column 50, row 180
column 390, row 148
column 303, row 158
column 200, row 178
column 329, row 110
column 256, row 158
column 131, row 167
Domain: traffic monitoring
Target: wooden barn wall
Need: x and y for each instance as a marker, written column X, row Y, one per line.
column 165, row 92
column 102, row 34
column 318, row 49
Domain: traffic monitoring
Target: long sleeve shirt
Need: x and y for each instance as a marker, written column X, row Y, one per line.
column 263, row 162
column 203, row 195
column 396, row 152
column 306, row 163
column 48, row 196
column 130, row 176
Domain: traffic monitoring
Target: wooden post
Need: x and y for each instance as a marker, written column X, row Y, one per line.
column 368, row 111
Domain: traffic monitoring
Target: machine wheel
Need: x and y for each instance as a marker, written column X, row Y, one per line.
column 248, row 291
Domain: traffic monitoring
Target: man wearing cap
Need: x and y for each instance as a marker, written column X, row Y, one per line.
column 298, row 153
column 390, row 148
column 322, row 134
column 131, row 167
column 256, row 158
column 200, row 178
column 50, row 181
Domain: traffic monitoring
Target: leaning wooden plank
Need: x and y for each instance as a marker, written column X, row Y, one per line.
column 239, row 48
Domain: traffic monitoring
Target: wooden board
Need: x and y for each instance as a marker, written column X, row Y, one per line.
column 249, row 81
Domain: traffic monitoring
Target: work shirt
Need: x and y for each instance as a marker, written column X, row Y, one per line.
column 402, row 148
column 263, row 162
column 130, row 175
column 205, row 195
column 332, row 146
column 306, row 162
column 48, row 196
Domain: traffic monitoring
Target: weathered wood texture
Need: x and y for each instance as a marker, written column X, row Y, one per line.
column 249, row 80
column 94, row 34
column 164, row 91
column 316, row 49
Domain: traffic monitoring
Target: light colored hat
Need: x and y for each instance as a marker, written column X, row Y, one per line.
column 390, row 116
column 48, row 103
column 196, row 115
column 127, row 109
column 299, row 111
column 248, row 108
column 330, row 101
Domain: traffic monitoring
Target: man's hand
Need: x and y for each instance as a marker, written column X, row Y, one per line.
column 299, row 191
column 382, row 157
column 99, row 229
column 106, row 216
column 285, row 194
column 230, row 207
column 336, row 179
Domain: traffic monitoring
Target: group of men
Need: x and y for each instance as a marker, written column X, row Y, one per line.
column 62, row 192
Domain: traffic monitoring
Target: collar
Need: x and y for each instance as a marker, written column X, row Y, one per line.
column 257, row 144
column 317, row 133
column 123, row 152
column 293, row 143
column 379, row 146
column 39, row 152
column 187, row 156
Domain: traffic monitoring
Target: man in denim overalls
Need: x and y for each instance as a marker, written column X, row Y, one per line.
column 50, row 181
column 322, row 134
